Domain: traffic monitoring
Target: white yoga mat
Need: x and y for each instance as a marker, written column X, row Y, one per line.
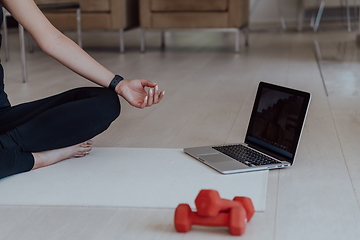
column 129, row 177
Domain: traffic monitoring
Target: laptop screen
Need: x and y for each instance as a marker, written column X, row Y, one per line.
column 277, row 120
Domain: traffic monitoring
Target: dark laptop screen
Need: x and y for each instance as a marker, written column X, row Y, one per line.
column 277, row 119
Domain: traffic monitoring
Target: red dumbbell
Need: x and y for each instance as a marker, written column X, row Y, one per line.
column 209, row 203
column 235, row 219
column 248, row 205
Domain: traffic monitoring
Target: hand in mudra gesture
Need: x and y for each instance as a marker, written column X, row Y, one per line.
column 133, row 91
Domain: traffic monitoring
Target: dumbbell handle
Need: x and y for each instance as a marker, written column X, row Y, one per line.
column 211, row 205
column 222, row 219
column 228, row 204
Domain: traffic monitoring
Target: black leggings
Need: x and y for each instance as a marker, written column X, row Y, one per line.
column 55, row 122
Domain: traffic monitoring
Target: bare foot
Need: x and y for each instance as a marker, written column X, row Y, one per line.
column 46, row 158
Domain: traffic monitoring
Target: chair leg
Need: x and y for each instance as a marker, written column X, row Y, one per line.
column 312, row 21
column 321, row 9
column 142, row 40
column 355, row 12
column 79, row 32
column 7, row 56
column 246, row 33
column 237, row 40
column 162, row 40
column 122, row 47
column 348, row 15
column 22, row 52
column 282, row 20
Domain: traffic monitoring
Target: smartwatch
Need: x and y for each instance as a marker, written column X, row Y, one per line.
column 115, row 81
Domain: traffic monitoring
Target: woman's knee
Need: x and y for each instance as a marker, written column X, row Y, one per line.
column 109, row 104
column 103, row 103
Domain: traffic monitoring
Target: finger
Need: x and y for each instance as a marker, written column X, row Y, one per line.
column 147, row 83
column 151, row 97
column 142, row 105
column 161, row 95
column 156, row 95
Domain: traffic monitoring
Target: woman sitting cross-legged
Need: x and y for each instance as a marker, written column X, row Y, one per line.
column 43, row 132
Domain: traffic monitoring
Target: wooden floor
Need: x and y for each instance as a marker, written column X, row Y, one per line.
column 208, row 100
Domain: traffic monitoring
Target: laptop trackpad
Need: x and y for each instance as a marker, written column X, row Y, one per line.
column 213, row 158
column 222, row 162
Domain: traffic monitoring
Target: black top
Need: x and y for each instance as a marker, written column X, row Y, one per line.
column 4, row 102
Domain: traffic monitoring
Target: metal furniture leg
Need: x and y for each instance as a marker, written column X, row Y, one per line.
column 237, row 40
column 142, row 40
column 355, row 12
column 312, row 21
column 22, row 52
column 348, row 15
column 358, row 14
column 246, row 33
column 122, row 47
column 318, row 18
column 162, row 39
column 282, row 20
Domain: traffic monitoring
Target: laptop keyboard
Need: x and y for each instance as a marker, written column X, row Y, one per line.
column 246, row 155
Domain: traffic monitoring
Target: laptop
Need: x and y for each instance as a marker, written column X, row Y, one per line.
column 272, row 138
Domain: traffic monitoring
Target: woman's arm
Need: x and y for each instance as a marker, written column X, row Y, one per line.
column 63, row 49
column 55, row 44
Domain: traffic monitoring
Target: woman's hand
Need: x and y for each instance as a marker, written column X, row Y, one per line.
column 133, row 91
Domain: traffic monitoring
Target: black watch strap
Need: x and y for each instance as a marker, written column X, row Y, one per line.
column 115, row 81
